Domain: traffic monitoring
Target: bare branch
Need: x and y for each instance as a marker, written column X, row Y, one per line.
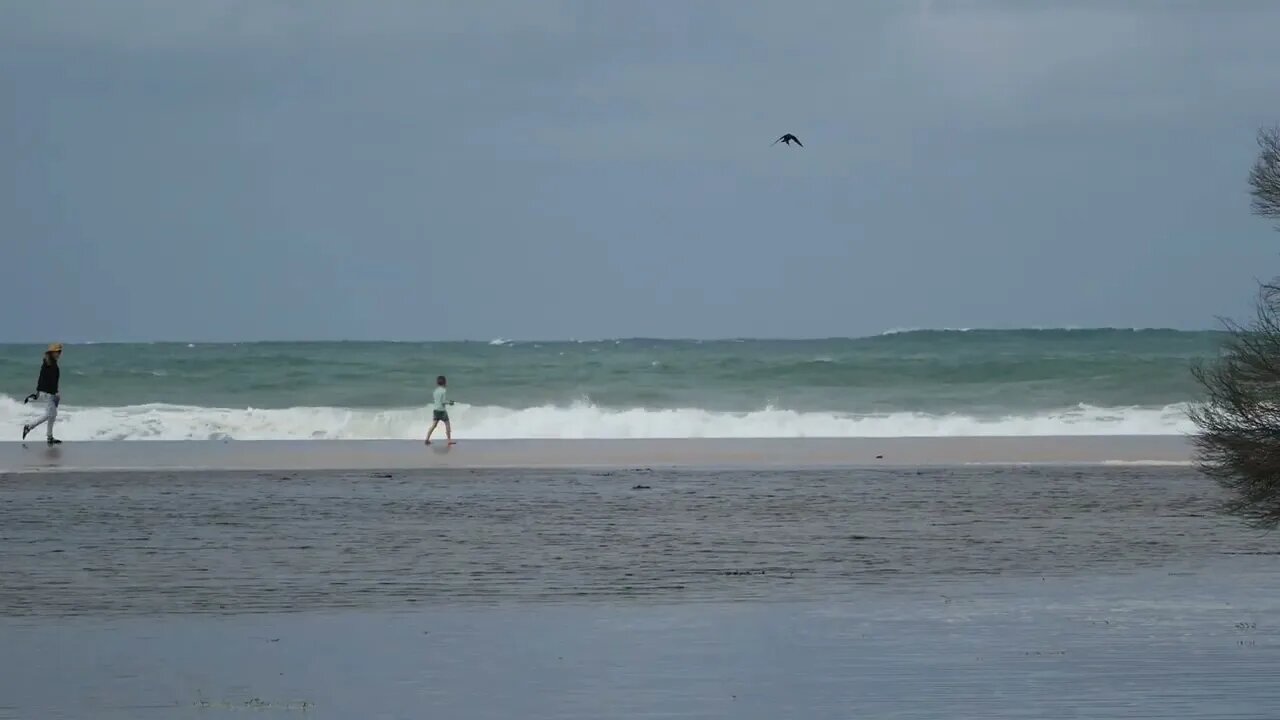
column 1239, row 419
column 1264, row 179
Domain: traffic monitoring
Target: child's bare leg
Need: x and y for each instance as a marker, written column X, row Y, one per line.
column 448, row 431
column 431, row 429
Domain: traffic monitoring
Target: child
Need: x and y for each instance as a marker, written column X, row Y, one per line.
column 438, row 413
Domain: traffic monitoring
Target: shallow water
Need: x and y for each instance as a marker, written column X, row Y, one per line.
column 238, row 542
column 978, row 593
column 1150, row 645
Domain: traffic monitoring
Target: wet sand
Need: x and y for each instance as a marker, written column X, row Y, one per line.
column 740, row 453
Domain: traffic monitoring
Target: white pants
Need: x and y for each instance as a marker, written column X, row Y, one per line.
column 50, row 413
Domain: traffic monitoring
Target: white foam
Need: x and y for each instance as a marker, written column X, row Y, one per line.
column 1171, row 463
column 580, row 420
column 1035, row 328
column 913, row 330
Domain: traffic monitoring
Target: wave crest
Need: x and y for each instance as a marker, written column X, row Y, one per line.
column 581, row 420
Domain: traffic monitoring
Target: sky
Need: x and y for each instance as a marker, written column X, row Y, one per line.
column 533, row 169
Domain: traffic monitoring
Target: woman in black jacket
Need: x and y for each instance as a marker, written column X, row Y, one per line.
column 47, row 386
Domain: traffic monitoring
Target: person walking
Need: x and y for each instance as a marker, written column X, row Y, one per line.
column 47, row 389
column 439, row 413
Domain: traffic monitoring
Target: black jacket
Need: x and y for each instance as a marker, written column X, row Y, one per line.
column 48, row 382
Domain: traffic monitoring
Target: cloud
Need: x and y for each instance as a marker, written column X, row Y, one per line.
column 204, row 25
column 507, row 159
column 1074, row 63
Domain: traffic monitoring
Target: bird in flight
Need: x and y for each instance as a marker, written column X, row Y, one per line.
column 788, row 139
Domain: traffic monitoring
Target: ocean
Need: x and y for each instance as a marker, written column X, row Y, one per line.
column 905, row 383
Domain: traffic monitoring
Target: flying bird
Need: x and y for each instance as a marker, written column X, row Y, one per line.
column 788, row 139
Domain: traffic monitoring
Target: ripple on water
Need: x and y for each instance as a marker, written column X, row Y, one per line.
column 142, row 543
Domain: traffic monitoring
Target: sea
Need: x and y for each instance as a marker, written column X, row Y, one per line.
column 899, row 383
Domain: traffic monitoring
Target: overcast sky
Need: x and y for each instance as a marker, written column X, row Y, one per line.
column 263, row 169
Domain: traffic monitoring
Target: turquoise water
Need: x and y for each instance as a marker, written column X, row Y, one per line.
column 1128, row 376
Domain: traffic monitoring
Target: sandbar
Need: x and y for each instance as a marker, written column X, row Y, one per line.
column 624, row 453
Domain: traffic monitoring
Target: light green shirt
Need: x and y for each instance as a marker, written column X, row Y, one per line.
column 438, row 397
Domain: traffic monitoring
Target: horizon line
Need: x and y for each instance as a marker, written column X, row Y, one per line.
column 496, row 341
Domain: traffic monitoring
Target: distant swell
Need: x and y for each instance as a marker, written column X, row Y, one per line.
column 177, row 422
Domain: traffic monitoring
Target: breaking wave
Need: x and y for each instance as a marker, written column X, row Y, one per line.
column 582, row 420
